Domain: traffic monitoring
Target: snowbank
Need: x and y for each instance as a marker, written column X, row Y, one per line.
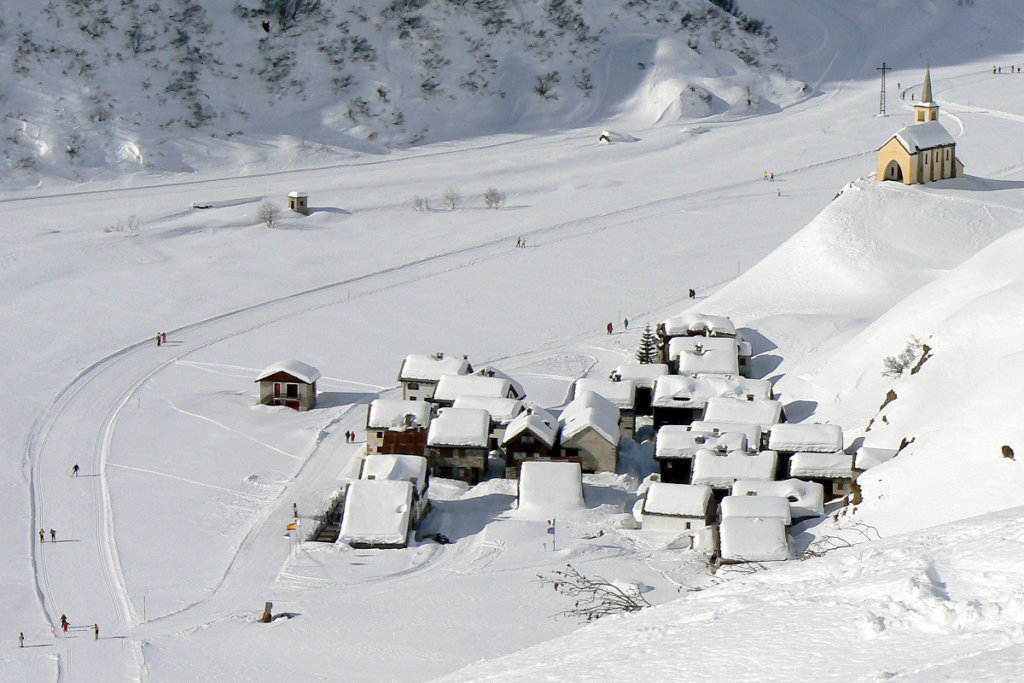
column 377, row 514
column 549, row 488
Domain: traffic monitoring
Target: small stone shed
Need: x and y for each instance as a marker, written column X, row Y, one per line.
column 298, row 202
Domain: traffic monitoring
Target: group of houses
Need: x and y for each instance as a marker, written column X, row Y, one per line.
column 719, row 435
column 733, row 474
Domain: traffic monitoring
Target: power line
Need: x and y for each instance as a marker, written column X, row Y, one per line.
column 881, row 97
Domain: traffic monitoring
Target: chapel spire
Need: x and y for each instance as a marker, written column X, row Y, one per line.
column 926, row 110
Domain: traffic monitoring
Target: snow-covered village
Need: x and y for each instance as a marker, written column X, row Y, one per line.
column 512, row 340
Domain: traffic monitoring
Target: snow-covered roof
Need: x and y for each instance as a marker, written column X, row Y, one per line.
column 642, row 374
column 687, row 324
column 382, row 466
column 398, row 415
column 752, row 539
column 744, row 348
column 590, row 410
column 376, row 513
column 868, row 457
column 466, row 427
column 450, row 387
column 925, row 135
column 538, row 422
column 709, row 355
column 810, row 438
column 547, row 488
column 765, row 507
column 677, row 441
column 838, row 465
column 751, row 431
column 296, row 194
column 688, row 391
column 429, row 368
column 721, row 471
column 490, row 371
column 759, row 411
column 677, row 500
column 621, row 393
column 296, row 368
column 806, row 498
column 501, row 410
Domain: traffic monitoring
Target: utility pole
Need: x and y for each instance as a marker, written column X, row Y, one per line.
column 881, row 97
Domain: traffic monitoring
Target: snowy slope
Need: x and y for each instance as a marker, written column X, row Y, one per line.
column 946, row 602
column 101, row 87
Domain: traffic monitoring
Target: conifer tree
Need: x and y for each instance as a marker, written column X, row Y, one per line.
column 647, row 352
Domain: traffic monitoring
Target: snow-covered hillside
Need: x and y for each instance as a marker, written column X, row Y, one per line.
column 106, row 87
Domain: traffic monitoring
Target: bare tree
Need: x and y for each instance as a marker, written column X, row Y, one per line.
column 451, row 197
column 494, row 199
column 595, row 597
column 268, row 214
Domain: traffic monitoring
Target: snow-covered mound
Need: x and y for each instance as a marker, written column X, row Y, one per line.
column 884, row 610
column 882, row 264
column 105, row 86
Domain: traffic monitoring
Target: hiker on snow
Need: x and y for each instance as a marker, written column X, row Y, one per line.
column 74, row 470
column 610, row 328
column 42, row 535
column 53, row 536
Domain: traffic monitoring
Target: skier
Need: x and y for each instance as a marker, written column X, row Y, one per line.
column 163, row 337
column 766, row 175
column 158, row 339
column 53, row 536
column 64, row 623
column 21, row 639
column 625, row 323
column 773, row 176
column 96, row 631
column 295, row 511
column 74, row 470
column 692, row 294
column 610, row 328
column 42, row 536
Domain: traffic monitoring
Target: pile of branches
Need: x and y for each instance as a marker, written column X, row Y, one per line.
column 828, row 543
column 595, row 596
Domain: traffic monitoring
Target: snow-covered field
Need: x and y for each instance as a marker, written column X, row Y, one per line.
column 173, row 536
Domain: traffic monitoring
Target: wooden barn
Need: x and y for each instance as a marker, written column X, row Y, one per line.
column 532, row 435
column 397, row 426
column 457, row 444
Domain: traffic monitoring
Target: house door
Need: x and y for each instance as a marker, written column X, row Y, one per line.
column 277, row 390
column 893, row 171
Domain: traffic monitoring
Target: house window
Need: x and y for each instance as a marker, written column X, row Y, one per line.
column 528, row 439
column 292, row 390
column 413, row 385
column 380, row 435
column 687, row 525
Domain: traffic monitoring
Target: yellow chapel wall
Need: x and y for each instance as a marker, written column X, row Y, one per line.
column 893, row 150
